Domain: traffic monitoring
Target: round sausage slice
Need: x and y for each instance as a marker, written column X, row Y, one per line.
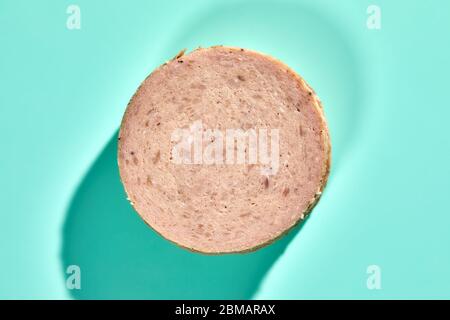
column 223, row 150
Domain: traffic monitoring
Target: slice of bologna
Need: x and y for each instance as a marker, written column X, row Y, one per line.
column 223, row 150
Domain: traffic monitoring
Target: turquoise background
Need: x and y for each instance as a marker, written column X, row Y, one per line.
column 63, row 93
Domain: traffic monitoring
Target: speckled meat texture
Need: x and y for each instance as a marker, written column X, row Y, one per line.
column 231, row 207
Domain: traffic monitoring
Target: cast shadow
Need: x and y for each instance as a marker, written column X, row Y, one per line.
column 120, row 257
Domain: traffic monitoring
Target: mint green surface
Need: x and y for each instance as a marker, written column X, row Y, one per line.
column 62, row 96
